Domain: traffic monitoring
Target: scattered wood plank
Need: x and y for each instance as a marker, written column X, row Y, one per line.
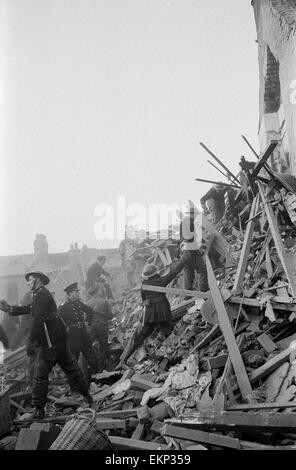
column 171, row 290
column 241, row 269
column 270, row 365
column 180, row 432
column 236, row 421
column 234, row 353
column 218, row 361
column 267, row 344
column 261, row 406
column 277, row 239
column 291, row 307
column 123, row 443
column 207, row 339
column 118, row 414
column 141, row 383
column 138, row 432
column 286, row 342
column 264, row 157
column 109, row 423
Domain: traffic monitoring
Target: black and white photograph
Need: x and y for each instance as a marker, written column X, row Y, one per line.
column 148, row 228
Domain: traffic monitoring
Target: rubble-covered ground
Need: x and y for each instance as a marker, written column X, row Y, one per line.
column 186, row 391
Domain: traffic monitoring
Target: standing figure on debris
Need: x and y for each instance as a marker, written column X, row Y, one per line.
column 96, row 269
column 214, row 202
column 48, row 334
column 193, row 250
column 101, row 314
column 73, row 313
column 157, row 309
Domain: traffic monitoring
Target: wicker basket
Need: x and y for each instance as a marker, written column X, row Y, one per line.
column 5, row 416
column 80, row 433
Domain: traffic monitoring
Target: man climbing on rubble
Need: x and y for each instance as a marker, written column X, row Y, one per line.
column 101, row 314
column 96, row 269
column 214, row 202
column 48, row 334
column 74, row 312
column 193, row 249
column 157, row 309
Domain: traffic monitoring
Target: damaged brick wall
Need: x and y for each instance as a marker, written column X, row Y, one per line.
column 276, row 34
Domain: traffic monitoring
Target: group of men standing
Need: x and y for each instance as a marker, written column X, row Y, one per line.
column 59, row 335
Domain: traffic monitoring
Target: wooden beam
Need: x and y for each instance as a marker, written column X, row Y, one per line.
column 123, row 443
column 261, row 406
column 117, row 414
column 270, row 365
column 277, row 239
column 255, row 303
column 109, row 423
column 171, row 290
column 243, row 260
column 236, row 420
column 217, row 361
column 264, row 157
column 234, row 353
column 207, row 339
column 138, row 432
column 180, row 432
column 141, row 383
column 266, row 342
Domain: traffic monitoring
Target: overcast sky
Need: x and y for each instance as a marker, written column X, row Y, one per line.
column 107, row 98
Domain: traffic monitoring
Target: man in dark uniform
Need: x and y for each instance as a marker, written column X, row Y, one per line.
column 49, row 335
column 74, row 313
column 193, row 249
column 102, row 313
column 157, row 309
column 95, row 270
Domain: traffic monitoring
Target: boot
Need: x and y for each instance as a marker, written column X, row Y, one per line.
column 38, row 413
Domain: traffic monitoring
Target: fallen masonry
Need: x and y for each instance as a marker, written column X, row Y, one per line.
column 225, row 378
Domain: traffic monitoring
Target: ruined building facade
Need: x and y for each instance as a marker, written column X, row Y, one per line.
column 276, row 35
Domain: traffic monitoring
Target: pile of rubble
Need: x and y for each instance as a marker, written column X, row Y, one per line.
column 226, row 376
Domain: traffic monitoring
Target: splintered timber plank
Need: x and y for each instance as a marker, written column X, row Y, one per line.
column 217, row 361
column 241, row 269
column 172, row 290
column 118, row 414
column 291, row 307
column 270, row 366
column 180, row 432
column 123, row 443
column 234, row 353
column 207, row 339
column 109, row 423
column 138, row 432
column 237, row 420
column 266, row 342
column 277, row 238
column 264, row 157
column 261, row 406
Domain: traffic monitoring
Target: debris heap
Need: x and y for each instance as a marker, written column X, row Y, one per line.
column 226, row 376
